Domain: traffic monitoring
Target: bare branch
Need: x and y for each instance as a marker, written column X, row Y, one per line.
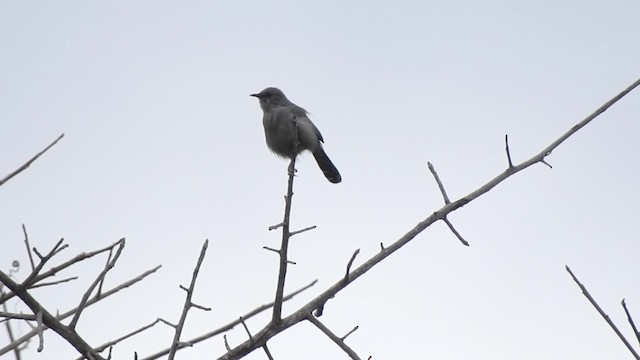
column 49, row 320
column 44, row 284
column 232, row 324
column 28, row 163
column 630, row 319
column 7, row 325
column 353, row 257
column 226, row 343
column 440, row 186
column 54, row 270
column 111, row 343
column 284, row 247
column 94, row 300
column 43, row 260
column 9, row 315
column 352, row 354
column 95, row 283
column 602, row 313
column 40, row 328
column 506, row 143
column 302, row 230
column 265, row 348
column 355, row 328
column 187, row 302
column 455, row 232
column 301, row 314
column 26, row 243
column 271, row 249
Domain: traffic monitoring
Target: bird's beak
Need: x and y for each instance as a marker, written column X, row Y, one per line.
column 254, row 95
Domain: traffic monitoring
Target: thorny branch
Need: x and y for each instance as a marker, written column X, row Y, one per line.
column 301, row 314
column 188, row 304
column 602, row 313
column 92, row 301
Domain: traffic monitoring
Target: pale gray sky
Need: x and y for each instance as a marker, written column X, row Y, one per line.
column 164, row 146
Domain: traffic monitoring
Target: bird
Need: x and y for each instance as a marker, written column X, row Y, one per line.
column 289, row 131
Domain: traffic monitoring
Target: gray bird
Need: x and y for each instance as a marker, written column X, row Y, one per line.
column 279, row 119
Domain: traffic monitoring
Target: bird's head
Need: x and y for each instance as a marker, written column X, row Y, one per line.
column 271, row 97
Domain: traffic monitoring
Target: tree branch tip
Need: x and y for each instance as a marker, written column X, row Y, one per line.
column 302, row 230
column 201, row 307
column 226, row 343
column 271, row 249
column 546, row 163
column 276, row 226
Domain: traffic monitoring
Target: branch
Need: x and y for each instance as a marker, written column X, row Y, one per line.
column 602, row 313
column 264, row 347
column 111, row 343
column 284, row 247
column 54, row 270
column 230, row 325
column 28, row 163
column 455, row 232
column 352, row 354
column 7, row 324
column 188, row 303
column 26, row 243
column 506, row 147
column 630, row 319
column 273, row 329
column 49, row 320
column 353, row 258
column 95, row 283
column 440, row 186
column 65, row 315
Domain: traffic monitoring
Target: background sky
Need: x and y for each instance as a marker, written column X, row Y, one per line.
column 164, row 146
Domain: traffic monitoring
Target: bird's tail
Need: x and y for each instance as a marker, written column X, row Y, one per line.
column 327, row 167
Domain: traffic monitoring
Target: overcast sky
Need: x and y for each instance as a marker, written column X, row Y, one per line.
column 164, row 146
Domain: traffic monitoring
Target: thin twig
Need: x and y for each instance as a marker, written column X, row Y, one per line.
column 9, row 316
column 187, row 302
column 602, row 313
column 226, row 343
column 455, row 232
column 630, row 319
column 506, row 145
column 26, row 243
column 28, row 163
column 265, row 348
column 40, row 331
column 440, row 185
column 353, row 257
column 352, row 354
column 85, row 297
column 111, row 343
column 44, row 284
column 7, row 325
column 271, row 249
column 43, row 260
column 355, row 328
column 302, row 230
